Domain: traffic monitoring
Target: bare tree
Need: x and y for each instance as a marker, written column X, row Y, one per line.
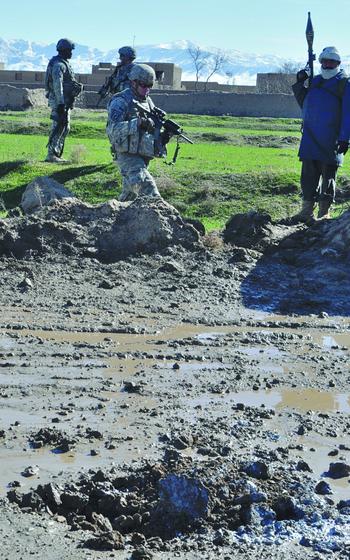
column 230, row 78
column 199, row 59
column 215, row 64
column 289, row 67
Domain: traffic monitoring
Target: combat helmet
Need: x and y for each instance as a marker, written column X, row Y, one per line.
column 142, row 73
column 129, row 52
column 65, row 44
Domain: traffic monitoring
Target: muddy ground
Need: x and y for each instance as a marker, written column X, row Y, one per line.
column 185, row 404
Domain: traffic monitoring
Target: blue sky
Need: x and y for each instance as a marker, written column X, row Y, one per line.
column 271, row 26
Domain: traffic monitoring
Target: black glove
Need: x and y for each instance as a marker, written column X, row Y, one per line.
column 147, row 124
column 61, row 109
column 342, row 147
column 302, row 75
column 165, row 137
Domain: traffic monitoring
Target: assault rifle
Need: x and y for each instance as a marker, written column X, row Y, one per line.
column 164, row 129
column 107, row 86
column 311, row 56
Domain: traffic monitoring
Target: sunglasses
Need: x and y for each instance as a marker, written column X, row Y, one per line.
column 144, row 85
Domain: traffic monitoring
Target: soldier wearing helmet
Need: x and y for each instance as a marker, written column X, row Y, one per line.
column 61, row 91
column 119, row 80
column 132, row 135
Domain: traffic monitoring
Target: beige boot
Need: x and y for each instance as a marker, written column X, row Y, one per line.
column 323, row 210
column 306, row 214
column 51, row 158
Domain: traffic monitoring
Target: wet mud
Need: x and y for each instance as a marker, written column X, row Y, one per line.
column 166, row 406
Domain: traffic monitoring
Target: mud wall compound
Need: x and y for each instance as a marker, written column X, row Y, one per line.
column 235, row 104
column 221, row 103
column 15, row 99
column 193, row 103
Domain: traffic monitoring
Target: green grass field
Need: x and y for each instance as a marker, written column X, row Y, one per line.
column 235, row 165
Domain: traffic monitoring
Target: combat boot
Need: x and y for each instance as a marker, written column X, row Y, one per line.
column 306, row 214
column 51, row 158
column 323, row 210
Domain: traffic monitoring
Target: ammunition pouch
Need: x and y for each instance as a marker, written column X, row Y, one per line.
column 126, row 137
column 71, row 90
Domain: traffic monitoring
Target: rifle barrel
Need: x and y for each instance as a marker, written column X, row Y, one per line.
column 186, row 138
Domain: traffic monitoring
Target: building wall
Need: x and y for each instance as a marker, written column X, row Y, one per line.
column 274, row 83
column 170, row 76
column 240, row 105
column 215, row 86
column 218, row 103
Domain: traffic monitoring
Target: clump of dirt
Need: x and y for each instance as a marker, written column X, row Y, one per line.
column 255, row 230
column 50, row 436
column 107, row 231
column 175, row 496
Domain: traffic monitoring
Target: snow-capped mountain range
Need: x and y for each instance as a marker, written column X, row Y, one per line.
column 240, row 67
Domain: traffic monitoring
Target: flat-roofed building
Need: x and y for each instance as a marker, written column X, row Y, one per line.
column 168, row 76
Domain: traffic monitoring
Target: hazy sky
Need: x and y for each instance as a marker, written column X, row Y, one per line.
column 268, row 26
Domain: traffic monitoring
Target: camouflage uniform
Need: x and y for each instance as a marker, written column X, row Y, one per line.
column 120, row 77
column 61, row 89
column 133, row 147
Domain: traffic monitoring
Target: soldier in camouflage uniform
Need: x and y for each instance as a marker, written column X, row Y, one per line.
column 61, row 91
column 132, row 135
column 119, row 80
column 120, row 77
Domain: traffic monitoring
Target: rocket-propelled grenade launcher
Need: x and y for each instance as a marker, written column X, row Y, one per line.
column 311, row 56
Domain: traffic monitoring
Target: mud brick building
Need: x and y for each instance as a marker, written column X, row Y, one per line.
column 168, row 76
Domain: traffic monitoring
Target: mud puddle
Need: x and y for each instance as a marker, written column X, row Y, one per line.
column 200, row 332
column 186, row 379
column 303, row 400
column 51, row 465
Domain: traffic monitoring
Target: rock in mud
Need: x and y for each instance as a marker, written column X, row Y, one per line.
column 338, row 470
column 106, row 541
column 257, row 469
column 51, row 495
column 180, row 495
column 41, row 192
column 131, row 387
column 26, row 284
column 141, row 554
column 30, row 471
column 286, row 507
column 51, row 436
column 323, row 488
column 248, row 230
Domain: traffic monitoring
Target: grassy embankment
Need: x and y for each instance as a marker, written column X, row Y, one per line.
column 235, row 165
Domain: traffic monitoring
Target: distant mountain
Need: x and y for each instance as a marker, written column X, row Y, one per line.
column 19, row 54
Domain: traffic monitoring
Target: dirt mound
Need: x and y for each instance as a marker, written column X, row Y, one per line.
column 307, row 271
column 106, row 231
column 254, row 230
column 229, row 501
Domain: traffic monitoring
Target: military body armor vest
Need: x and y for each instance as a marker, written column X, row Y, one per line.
column 71, row 88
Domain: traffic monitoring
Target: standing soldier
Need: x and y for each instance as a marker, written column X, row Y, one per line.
column 326, row 132
column 61, row 90
column 120, row 77
column 119, row 80
column 132, row 135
